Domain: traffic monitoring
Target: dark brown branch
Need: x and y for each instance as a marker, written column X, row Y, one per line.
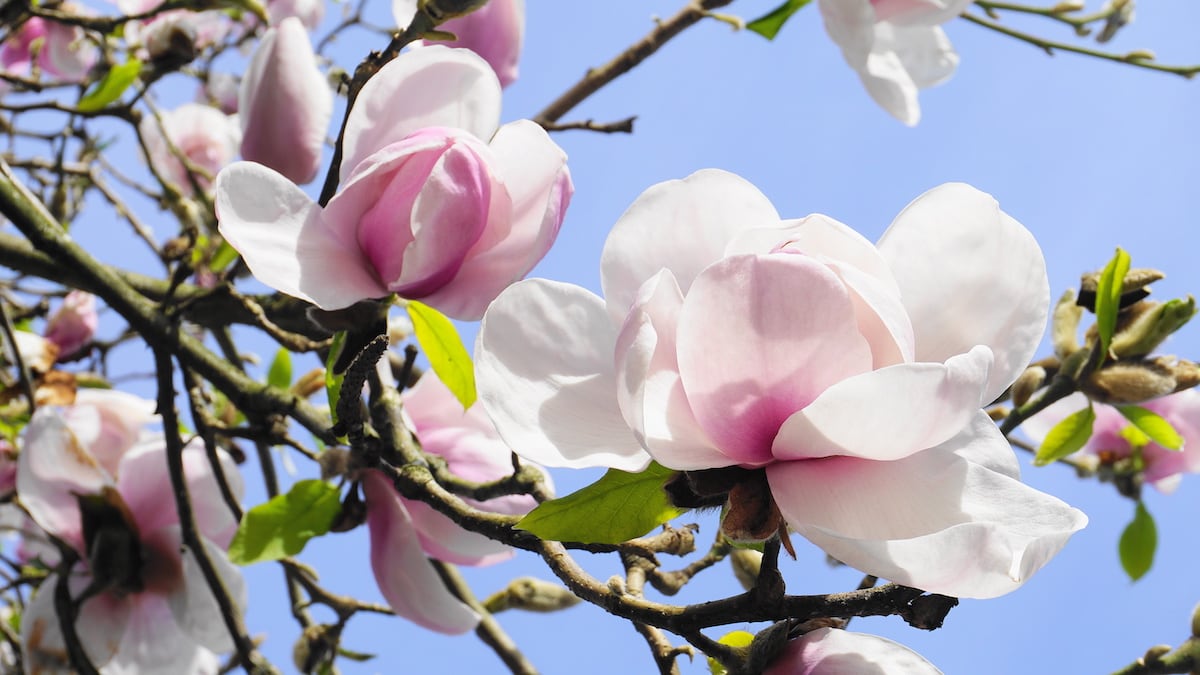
column 627, row 60
column 488, row 630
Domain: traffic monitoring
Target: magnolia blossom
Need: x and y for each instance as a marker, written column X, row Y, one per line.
column 285, row 104
column 852, row 376
column 220, row 90
column 206, row 136
column 74, row 324
column 1112, row 440
column 427, row 209
column 404, row 531
column 310, row 12
column 158, row 34
column 149, row 610
column 495, row 31
column 58, row 50
column 896, row 46
column 832, row 651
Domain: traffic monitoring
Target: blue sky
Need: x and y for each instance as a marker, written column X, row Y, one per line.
column 1089, row 155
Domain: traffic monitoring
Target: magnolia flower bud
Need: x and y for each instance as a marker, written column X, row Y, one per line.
column 1027, row 383
column 74, row 324
column 531, row 595
column 1064, row 328
column 314, row 647
column 1135, row 287
column 1126, row 382
column 1149, row 324
column 1196, row 622
column 1121, row 16
column 284, row 104
column 746, row 564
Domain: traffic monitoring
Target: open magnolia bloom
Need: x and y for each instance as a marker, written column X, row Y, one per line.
column 404, row 531
column 896, row 46
column 428, row 207
column 1113, row 439
column 149, row 609
column 494, row 31
column 832, row 651
column 851, row 376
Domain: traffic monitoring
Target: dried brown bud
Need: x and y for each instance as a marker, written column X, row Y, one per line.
column 315, row 647
column 309, row 383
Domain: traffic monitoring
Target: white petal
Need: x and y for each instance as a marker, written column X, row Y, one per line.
column 832, row 651
column 286, row 243
column 544, row 365
column 935, row 520
column 680, row 225
column 969, row 274
column 429, row 87
column 51, row 469
column 195, row 607
column 889, row 413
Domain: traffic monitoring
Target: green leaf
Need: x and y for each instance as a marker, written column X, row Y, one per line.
column 1108, row 298
column 111, row 86
column 445, row 351
column 768, row 25
column 1066, row 437
column 223, row 257
column 1138, row 542
column 280, row 373
column 333, row 383
column 1153, row 426
column 738, row 639
column 1134, row 436
column 618, row 507
column 282, row 526
column 353, row 655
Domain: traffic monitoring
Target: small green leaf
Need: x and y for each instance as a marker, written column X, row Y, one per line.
column 353, row 655
column 616, row 508
column 1138, row 542
column 282, row 526
column 1153, row 426
column 1066, row 437
column 1108, row 298
column 738, row 639
column 333, row 383
column 1134, row 436
column 111, row 86
column 223, row 257
column 768, row 25
column 279, row 375
column 445, row 351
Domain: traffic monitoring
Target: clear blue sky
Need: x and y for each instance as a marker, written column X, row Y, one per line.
column 1087, row 154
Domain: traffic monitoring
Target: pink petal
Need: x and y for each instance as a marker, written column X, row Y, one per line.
column 51, row 469
column 919, row 12
column 831, row 651
column 495, row 32
column 936, row 520
column 285, row 241
column 195, row 608
column 108, row 423
column 429, row 87
column 544, row 368
column 889, row 413
column 409, row 583
column 443, row 539
column 431, row 406
column 154, row 645
column 680, row 225
column 760, row 337
column 145, row 484
column 285, row 104
column 534, row 172
column 957, row 295
column 649, row 389
column 100, row 626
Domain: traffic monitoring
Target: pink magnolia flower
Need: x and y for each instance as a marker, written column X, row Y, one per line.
column 426, row 209
column 156, row 34
column 310, row 12
column 285, row 104
column 1110, row 443
column 60, row 51
column 896, row 46
column 851, row 375
column 404, row 531
column 221, row 90
column 150, row 609
column 831, row 651
column 206, row 136
column 494, row 31
column 74, row 324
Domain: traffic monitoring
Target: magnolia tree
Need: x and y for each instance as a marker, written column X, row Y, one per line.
column 755, row 386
